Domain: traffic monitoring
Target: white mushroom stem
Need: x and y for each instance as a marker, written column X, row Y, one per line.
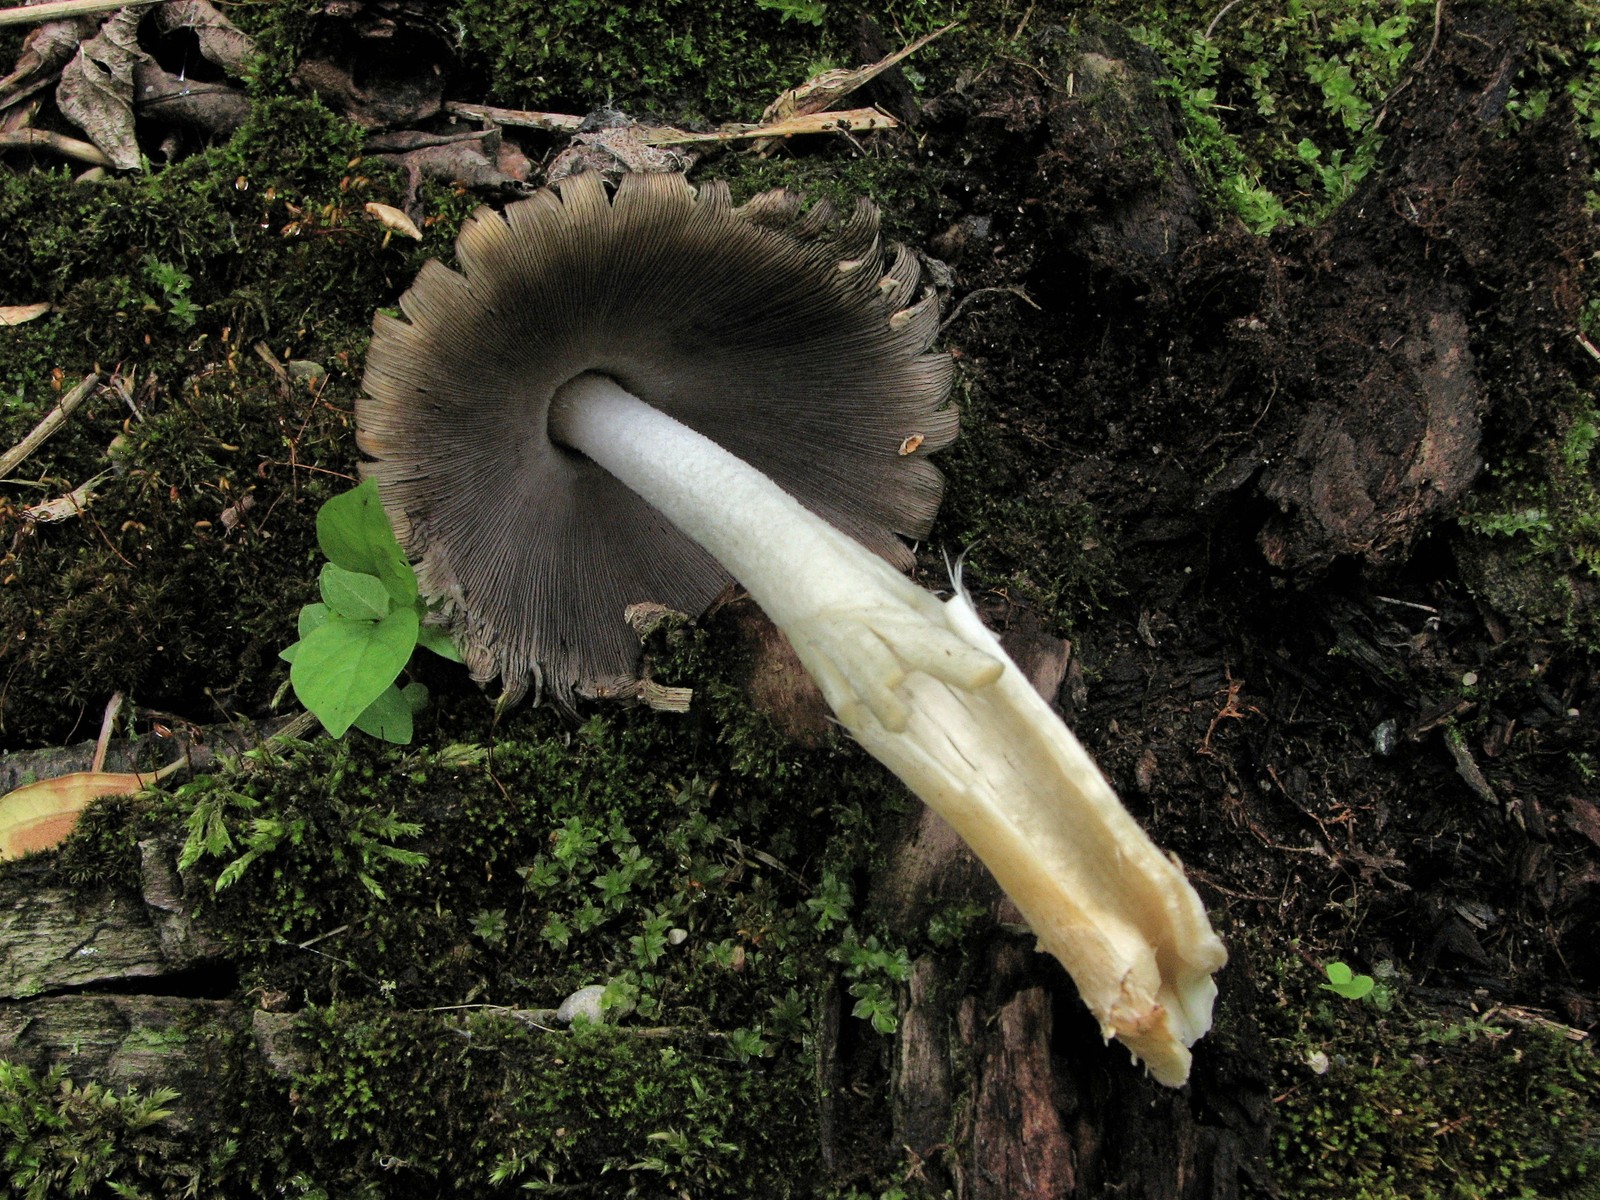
column 927, row 690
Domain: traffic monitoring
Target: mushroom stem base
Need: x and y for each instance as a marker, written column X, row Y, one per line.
column 927, row 690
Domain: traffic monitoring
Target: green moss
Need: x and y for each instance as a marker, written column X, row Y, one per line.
column 592, row 842
column 1530, row 538
column 1281, row 105
column 708, row 884
column 102, row 850
column 177, row 281
column 716, row 62
column 1383, row 1102
column 589, row 1112
column 67, row 1139
column 698, row 62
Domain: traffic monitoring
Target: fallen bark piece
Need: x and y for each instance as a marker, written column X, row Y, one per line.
column 56, row 938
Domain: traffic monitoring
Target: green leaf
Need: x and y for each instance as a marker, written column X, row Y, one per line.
column 354, row 533
column 1345, row 982
column 340, row 668
column 313, row 616
column 354, row 594
column 431, row 637
column 389, row 716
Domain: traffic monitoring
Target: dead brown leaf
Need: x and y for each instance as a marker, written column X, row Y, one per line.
column 96, row 90
column 213, row 109
column 221, row 41
column 16, row 314
column 39, row 816
column 44, row 51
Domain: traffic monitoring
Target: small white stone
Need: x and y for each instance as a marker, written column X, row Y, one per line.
column 585, row 1003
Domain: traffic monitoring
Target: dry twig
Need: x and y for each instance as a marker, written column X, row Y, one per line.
column 517, row 117
column 44, row 139
column 59, row 10
column 54, row 420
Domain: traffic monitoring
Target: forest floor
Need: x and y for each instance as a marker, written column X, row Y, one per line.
column 1277, row 346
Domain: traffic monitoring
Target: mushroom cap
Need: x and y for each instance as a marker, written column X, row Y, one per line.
column 786, row 334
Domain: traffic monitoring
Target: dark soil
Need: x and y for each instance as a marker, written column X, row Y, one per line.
column 1297, row 669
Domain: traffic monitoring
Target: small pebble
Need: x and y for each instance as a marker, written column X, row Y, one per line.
column 585, row 1003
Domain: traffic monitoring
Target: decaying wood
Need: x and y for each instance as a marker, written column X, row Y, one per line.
column 54, row 939
column 1020, row 1143
column 87, row 983
column 144, row 1042
column 199, row 748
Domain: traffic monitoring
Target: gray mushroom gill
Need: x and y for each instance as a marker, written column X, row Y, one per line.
column 632, row 396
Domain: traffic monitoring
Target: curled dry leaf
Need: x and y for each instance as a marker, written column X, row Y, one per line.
column 392, row 218
column 39, row 816
column 96, row 90
column 16, row 314
column 44, row 50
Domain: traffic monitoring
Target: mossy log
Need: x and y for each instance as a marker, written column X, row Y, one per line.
column 56, row 939
column 110, row 984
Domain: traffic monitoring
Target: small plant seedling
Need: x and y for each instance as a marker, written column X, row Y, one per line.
column 1345, row 982
column 174, row 285
column 801, row 12
column 356, row 642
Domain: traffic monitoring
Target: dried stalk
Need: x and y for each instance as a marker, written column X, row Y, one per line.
column 56, row 418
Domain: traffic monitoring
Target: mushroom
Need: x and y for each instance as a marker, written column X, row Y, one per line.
column 632, row 397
